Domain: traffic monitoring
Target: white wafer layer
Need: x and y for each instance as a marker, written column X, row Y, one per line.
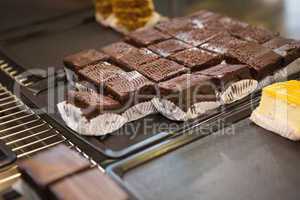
column 105, row 123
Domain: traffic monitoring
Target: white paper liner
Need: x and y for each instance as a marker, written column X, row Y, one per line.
column 112, row 22
column 105, row 123
column 201, row 108
column 72, row 77
column 101, row 125
column 173, row 112
column 139, row 111
column 279, row 127
column 81, row 87
column 238, row 91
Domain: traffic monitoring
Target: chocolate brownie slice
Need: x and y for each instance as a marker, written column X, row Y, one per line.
column 92, row 104
column 147, row 37
column 247, row 32
column 289, row 49
column 118, row 49
column 196, row 59
column 222, row 44
column 197, row 37
column 188, row 89
column 263, row 61
column 98, row 73
column 161, row 70
column 134, row 59
column 130, row 88
column 225, row 74
column 79, row 60
column 169, row 47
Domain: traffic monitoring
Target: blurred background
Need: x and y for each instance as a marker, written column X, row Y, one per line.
column 278, row 15
column 39, row 33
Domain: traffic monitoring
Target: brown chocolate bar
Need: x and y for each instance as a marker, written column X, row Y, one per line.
column 47, row 167
column 98, row 73
column 92, row 104
column 79, row 60
column 88, row 185
column 118, row 49
column 197, row 59
column 261, row 60
column 130, row 88
column 147, row 37
column 134, row 59
column 222, row 44
column 169, row 47
column 176, row 26
column 161, row 70
column 188, row 89
column 205, row 16
column 225, row 74
column 198, row 36
column 247, row 32
column 289, row 49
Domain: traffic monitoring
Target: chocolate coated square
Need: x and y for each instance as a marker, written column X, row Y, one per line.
column 98, row 73
column 169, row 47
column 263, row 61
column 197, row 37
column 79, row 60
column 129, row 88
column 162, row 69
column 188, row 89
column 134, row 59
column 92, row 104
column 118, row 49
column 197, row 59
column 247, row 32
column 147, row 37
column 289, row 49
column 224, row 74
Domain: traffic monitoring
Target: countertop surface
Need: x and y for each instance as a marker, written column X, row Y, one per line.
column 250, row 164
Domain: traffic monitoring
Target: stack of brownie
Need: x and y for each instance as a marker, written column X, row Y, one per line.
column 185, row 61
column 62, row 173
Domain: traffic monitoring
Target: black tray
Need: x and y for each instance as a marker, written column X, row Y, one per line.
column 47, row 48
column 44, row 45
column 244, row 162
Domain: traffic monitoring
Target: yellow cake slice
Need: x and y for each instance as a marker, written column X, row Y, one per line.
column 103, row 8
column 279, row 109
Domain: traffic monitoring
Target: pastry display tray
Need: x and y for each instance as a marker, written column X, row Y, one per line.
column 43, row 47
column 242, row 161
column 45, row 50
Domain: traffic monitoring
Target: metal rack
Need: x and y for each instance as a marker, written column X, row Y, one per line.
column 26, row 133
column 14, row 74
